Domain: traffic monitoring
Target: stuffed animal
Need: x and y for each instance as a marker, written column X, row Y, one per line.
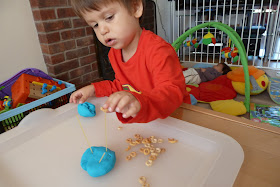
column 258, row 80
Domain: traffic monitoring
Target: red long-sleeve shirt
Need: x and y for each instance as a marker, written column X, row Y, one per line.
column 153, row 75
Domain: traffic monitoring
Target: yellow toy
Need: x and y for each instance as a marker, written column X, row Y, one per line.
column 258, row 80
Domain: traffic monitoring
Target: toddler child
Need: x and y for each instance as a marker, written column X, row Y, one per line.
column 197, row 76
column 149, row 82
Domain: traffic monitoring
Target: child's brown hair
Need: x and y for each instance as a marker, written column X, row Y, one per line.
column 82, row 6
column 226, row 69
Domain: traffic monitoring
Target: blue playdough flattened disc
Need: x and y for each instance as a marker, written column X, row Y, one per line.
column 86, row 109
column 90, row 161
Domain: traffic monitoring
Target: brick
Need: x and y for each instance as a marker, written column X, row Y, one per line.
column 73, row 33
column 65, row 13
column 49, row 38
column 90, row 76
column 87, row 60
column 77, row 53
column 63, row 76
column 79, row 23
column 71, row 55
column 79, row 33
column 56, row 48
column 94, row 66
column 56, row 25
column 40, row 27
column 85, row 41
column 68, row 45
column 33, row 3
column 89, row 31
column 54, row 59
column 78, row 72
column 63, row 67
column 65, row 35
column 42, row 15
column 78, row 82
column 45, row 49
column 92, row 49
column 83, row 51
column 47, row 3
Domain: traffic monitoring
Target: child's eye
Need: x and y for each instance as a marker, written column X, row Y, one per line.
column 109, row 17
column 95, row 26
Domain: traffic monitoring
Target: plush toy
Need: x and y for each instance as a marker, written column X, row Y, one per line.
column 209, row 38
column 258, row 80
column 227, row 52
column 192, row 43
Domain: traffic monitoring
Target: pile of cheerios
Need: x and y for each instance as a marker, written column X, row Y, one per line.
column 149, row 148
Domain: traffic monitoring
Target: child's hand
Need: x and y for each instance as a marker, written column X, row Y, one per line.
column 82, row 94
column 203, row 69
column 123, row 102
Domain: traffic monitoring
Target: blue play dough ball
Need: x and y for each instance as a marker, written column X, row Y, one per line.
column 90, row 161
column 86, row 109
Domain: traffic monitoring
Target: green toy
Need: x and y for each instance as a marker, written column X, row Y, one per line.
column 235, row 38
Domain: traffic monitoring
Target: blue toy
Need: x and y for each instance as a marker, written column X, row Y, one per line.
column 44, row 88
column 53, row 88
column 86, row 109
column 90, row 161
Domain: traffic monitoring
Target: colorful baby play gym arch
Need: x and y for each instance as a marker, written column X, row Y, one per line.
column 236, row 40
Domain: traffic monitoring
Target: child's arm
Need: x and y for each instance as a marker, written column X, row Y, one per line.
column 211, row 74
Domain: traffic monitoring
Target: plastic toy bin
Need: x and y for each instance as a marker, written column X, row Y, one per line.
column 11, row 118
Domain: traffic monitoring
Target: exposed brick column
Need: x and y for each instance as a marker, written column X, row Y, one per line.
column 66, row 42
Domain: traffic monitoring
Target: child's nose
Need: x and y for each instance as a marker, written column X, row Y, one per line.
column 104, row 29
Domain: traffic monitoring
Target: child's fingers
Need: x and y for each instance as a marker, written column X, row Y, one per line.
column 123, row 104
column 82, row 99
column 132, row 111
column 112, row 102
column 73, row 98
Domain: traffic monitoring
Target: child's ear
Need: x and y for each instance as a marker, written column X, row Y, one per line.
column 138, row 11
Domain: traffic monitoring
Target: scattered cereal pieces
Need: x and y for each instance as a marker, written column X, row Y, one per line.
column 172, row 140
column 146, row 151
column 149, row 163
column 133, row 154
column 128, row 148
column 128, row 157
column 137, row 136
column 148, row 148
column 153, row 157
column 120, row 128
column 158, row 150
column 160, row 140
column 142, row 180
column 103, row 109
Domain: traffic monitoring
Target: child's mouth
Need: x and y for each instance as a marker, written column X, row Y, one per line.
column 110, row 42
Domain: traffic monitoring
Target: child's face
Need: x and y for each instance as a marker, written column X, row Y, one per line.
column 115, row 26
column 219, row 67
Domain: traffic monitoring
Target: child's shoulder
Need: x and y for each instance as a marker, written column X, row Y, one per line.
column 151, row 37
column 152, row 42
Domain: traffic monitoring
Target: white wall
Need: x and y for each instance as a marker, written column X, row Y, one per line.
column 19, row 43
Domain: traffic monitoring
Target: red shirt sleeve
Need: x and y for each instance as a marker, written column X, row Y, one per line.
column 106, row 88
